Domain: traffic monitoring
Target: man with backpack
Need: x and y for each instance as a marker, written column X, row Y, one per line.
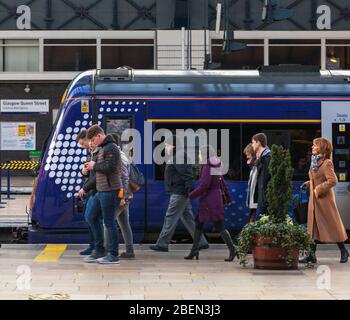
column 109, row 193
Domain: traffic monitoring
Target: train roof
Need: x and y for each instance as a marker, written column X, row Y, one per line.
column 267, row 81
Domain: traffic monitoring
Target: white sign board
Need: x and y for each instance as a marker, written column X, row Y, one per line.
column 24, row 105
column 337, row 112
column 17, row 136
column 333, row 112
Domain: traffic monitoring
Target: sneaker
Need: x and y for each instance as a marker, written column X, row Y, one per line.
column 86, row 252
column 92, row 258
column 158, row 248
column 109, row 259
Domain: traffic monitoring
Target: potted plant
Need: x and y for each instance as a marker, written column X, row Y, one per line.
column 276, row 240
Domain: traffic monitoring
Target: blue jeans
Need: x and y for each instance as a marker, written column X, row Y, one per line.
column 93, row 216
column 109, row 203
column 260, row 211
column 90, row 233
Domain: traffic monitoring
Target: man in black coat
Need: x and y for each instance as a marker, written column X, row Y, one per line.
column 259, row 143
column 179, row 182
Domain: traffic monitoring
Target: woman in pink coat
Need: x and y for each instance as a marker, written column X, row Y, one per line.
column 211, row 190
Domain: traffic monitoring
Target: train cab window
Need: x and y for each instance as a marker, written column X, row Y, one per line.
column 295, row 137
column 235, row 158
column 116, row 125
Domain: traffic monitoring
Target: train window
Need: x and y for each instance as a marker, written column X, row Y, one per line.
column 116, row 125
column 235, row 157
column 296, row 137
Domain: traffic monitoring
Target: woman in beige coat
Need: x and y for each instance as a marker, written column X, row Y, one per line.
column 324, row 223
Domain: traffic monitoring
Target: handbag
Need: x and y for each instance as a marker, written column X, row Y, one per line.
column 226, row 197
column 301, row 210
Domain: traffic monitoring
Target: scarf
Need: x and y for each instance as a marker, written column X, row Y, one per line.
column 314, row 162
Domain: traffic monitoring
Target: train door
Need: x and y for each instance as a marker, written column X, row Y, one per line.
column 336, row 127
column 115, row 116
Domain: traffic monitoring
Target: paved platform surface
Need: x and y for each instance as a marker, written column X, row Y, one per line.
column 14, row 211
column 18, row 184
column 153, row 275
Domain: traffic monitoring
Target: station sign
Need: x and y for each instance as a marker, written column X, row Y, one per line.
column 24, row 106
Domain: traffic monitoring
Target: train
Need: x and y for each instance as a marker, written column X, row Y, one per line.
column 291, row 104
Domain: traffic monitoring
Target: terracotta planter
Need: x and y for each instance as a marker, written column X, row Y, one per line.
column 269, row 256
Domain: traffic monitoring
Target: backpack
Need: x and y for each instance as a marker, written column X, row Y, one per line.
column 136, row 178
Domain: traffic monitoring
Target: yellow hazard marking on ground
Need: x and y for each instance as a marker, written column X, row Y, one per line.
column 51, row 253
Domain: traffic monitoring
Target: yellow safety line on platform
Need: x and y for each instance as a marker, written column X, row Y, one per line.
column 51, row 253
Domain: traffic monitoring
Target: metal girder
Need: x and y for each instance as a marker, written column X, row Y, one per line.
column 115, row 24
column 49, row 20
column 343, row 12
column 82, row 13
column 243, row 14
column 143, row 12
column 247, row 18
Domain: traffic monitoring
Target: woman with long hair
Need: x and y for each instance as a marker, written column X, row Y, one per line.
column 252, row 194
column 324, row 223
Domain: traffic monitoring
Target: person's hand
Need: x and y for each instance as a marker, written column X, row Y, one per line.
column 122, row 202
column 85, row 171
column 81, row 193
column 89, row 165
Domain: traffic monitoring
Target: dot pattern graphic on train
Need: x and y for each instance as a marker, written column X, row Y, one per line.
column 66, row 159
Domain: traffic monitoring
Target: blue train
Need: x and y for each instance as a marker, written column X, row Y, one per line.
column 291, row 106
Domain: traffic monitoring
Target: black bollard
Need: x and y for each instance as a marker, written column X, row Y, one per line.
column 1, row 202
column 9, row 186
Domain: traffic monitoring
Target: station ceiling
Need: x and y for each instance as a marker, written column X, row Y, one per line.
column 166, row 14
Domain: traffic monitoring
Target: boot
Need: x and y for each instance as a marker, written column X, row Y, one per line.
column 311, row 257
column 195, row 247
column 129, row 253
column 344, row 255
column 225, row 235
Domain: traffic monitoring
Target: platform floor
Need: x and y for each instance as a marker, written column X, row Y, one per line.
column 13, row 213
column 153, row 275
